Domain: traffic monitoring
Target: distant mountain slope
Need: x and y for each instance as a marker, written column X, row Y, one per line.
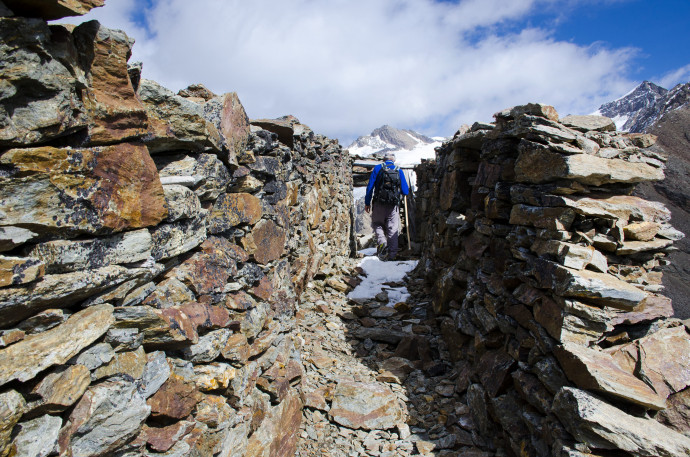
column 666, row 113
column 408, row 146
column 673, row 131
column 644, row 106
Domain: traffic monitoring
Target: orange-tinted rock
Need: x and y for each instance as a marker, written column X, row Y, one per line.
column 197, row 92
column 365, row 405
column 317, row 398
column 161, row 439
column 8, row 337
column 205, row 316
column 11, row 409
column 234, row 126
column 239, row 301
column 15, row 270
column 205, row 273
column 278, row 434
column 115, row 113
column 595, row 370
column 61, row 389
column 641, row 231
column 651, row 308
column 168, row 293
column 175, row 399
column 180, row 324
column 130, row 363
column 175, row 123
column 231, row 210
column 677, row 413
column 264, row 289
column 225, row 248
column 213, row 410
column 96, row 190
column 168, row 327
column 270, row 241
column 24, row 360
column 263, row 341
column 236, row 349
column 52, row 9
column 276, row 380
column 668, row 374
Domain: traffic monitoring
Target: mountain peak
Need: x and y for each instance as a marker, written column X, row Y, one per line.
column 638, row 109
column 387, row 138
column 408, row 145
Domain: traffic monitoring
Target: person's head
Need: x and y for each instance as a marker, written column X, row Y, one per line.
column 389, row 156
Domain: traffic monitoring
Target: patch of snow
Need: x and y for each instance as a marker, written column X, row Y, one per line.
column 620, row 121
column 369, row 149
column 368, row 251
column 412, row 157
column 379, row 272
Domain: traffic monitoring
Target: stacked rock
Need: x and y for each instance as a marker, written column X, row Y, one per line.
column 154, row 249
column 546, row 274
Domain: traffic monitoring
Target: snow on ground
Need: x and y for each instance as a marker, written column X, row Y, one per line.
column 378, row 273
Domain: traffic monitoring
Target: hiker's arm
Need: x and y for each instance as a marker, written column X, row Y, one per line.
column 404, row 188
column 370, row 186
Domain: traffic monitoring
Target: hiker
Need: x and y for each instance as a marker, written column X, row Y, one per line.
column 386, row 183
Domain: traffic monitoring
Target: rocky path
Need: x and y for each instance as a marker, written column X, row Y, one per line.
column 375, row 382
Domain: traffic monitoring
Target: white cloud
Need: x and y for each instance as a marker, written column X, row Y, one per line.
column 345, row 67
column 671, row 79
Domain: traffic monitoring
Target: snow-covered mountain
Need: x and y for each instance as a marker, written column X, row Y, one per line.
column 408, row 146
column 644, row 106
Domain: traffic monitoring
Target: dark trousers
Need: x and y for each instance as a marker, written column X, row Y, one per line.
column 385, row 220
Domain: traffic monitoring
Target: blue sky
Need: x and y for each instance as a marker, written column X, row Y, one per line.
column 345, row 67
column 659, row 30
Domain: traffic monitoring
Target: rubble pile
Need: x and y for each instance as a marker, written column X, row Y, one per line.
column 544, row 273
column 154, row 250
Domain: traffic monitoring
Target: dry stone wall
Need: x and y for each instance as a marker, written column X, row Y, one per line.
column 547, row 272
column 154, row 247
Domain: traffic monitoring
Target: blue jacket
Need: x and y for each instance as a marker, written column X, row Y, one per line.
column 404, row 189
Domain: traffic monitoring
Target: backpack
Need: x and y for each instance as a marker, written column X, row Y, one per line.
column 387, row 186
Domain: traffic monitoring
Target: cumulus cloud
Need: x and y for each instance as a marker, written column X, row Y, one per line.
column 345, row 67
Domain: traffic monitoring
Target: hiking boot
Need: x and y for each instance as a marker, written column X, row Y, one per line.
column 391, row 258
column 382, row 251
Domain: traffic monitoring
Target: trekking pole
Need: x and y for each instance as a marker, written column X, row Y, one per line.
column 407, row 226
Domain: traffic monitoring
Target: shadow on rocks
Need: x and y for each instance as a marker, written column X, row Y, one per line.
column 403, row 345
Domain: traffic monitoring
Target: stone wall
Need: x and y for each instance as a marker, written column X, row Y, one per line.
column 154, row 249
column 547, row 272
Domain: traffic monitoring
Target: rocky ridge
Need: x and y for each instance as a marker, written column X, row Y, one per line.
column 545, row 275
column 155, row 247
column 644, row 106
column 665, row 113
column 171, row 279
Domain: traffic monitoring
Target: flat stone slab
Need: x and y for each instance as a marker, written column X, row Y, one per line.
column 595, row 370
column 368, row 406
column 24, row 360
column 603, row 426
column 589, row 122
column 600, row 288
